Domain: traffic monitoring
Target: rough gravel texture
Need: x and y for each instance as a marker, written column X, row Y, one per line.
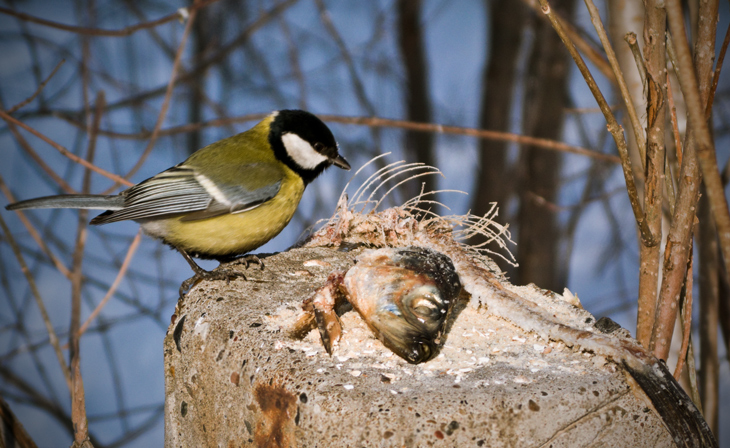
column 234, row 378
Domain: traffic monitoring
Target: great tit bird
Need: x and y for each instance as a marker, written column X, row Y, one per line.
column 226, row 199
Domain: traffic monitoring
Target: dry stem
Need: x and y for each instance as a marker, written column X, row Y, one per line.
column 699, row 140
column 649, row 264
column 686, row 323
column 621, row 81
column 613, row 127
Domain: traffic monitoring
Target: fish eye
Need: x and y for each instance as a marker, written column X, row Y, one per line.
column 425, row 307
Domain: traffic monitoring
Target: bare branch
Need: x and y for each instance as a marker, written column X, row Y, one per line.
column 630, row 38
column 38, row 90
column 223, row 52
column 551, row 145
column 166, row 102
column 52, row 337
column 65, row 152
column 349, row 62
column 78, row 397
column 699, row 140
column 180, row 14
column 716, row 76
column 39, row 160
column 686, row 318
column 649, row 263
column 621, row 81
column 613, row 127
column 590, row 51
column 675, row 123
column 16, row 434
column 117, row 280
column 34, row 233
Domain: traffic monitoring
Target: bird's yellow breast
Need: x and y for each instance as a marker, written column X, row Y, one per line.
column 233, row 234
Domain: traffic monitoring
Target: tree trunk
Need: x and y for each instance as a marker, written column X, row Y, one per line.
column 419, row 146
column 498, row 82
column 545, row 100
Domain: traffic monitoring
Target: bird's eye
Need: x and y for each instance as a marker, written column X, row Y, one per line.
column 319, row 147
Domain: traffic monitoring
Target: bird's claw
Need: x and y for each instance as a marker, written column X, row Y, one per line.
column 202, row 274
column 247, row 259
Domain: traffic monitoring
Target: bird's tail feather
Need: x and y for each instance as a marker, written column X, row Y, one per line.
column 85, row 201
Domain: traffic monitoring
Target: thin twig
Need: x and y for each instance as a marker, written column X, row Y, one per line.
column 694, row 390
column 345, row 53
column 34, row 233
column 211, row 61
column 166, row 102
column 672, row 54
column 716, row 76
column 177, row 15
column 669, row 183
column 38, row 90
column 78, row 396
column 73, row 157
column 294, row 62
column 620, row 80
column 698, row 119
column 613, row 127
column 630, row 39
column 14, row 433
column 357, row 82
column 20, row 383
column 68, row 189
column 592, row 53
column 670, row 179
column 675, row 124
column 543, row 143
column 686, row 318
column 52, row 336
column 117, row 280
column 587, row 110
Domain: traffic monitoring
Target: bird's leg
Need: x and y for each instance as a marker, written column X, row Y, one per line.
column 202, row 274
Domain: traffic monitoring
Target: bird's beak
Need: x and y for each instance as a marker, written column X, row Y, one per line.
column 340, row 162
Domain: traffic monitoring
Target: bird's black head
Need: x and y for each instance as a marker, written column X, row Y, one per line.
column 304, row 143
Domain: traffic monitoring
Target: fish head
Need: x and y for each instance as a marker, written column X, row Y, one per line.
column 405, row 296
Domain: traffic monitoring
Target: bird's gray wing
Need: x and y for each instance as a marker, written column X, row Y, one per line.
column 183, row 190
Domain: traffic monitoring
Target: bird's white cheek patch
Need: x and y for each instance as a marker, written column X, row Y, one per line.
column 301, row 151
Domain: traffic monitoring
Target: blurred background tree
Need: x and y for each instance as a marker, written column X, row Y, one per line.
column 467, row 86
